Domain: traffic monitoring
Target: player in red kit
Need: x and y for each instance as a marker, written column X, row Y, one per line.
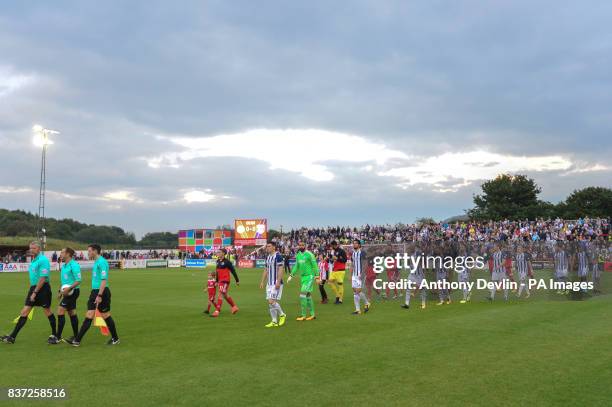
column 212, row 291
column 224, row 268
column 392, row 276
column 370, row 277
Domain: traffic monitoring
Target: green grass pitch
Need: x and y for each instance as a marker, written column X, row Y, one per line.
column 543, row 351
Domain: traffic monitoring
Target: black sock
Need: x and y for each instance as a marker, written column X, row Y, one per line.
column 84, row 328
column 61, row 321
column 22, row 321
column 111, row 327
column 52, row 323
column 74, row 321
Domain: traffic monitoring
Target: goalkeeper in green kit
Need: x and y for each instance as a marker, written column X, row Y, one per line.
column 306, row 265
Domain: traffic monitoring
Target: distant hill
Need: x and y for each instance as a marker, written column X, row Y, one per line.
column 18, row 226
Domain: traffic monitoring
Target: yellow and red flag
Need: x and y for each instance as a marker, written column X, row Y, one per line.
column 99, row 321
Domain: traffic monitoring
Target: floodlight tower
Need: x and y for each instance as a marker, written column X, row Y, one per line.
column 41, row 139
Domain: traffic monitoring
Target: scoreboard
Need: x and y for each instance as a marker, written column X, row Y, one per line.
column 196, row 240
column 250, row 232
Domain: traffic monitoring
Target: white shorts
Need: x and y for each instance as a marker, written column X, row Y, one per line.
column 523, row 277
column 272, row 293
column 561, row 273
column 356, row 282
column 583, row 273
column 498, row 276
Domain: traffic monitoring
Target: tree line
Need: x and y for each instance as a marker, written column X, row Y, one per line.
column 22, row 223
column 516, row 197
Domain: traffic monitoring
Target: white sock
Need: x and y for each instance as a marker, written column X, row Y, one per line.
column 279, row 310
column 465, row 294
column 423, row 296
column 407, row 296
column 273, row 312
column 492, row 293
column 521, row 286
column 356, row 300
column 364, row 298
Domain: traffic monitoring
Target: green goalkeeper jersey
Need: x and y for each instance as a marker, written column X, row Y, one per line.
column 305, row 264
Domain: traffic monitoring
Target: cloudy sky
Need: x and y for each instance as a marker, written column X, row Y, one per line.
column 193, row 113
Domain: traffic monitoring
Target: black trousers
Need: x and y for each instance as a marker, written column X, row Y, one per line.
column 322, row 290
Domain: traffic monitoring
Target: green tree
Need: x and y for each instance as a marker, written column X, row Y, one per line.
column 510, row 197
column 595, row 202
column 159, row 240
column 425, row 221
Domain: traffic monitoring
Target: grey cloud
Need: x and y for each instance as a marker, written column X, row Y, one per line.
column 424, row 78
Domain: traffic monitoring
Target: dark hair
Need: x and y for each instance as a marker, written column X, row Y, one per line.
column 69, row 250
column 357, row 241
column 96, row 248
column 223, row 250
column 334, row 243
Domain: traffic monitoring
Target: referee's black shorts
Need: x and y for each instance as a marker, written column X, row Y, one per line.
column 69, row 302
column 43, row 298
column 105, row 304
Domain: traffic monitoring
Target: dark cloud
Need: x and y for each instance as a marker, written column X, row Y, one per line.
column 513, row 78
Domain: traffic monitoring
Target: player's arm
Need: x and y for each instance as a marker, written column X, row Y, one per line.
column 280, row 273
column 232, row 269
column 264, row 275
column 294, row 269
column 314, row 266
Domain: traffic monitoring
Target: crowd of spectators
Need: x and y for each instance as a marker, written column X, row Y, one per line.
column 538, row 230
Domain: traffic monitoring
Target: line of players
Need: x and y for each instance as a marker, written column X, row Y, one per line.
column 331, row 268
column 40, row 295
column 503, row 265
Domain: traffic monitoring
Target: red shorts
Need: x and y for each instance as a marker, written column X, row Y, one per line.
column 223, row 287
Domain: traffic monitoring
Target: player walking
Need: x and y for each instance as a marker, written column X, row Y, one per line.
column 100, row 297
column 416, row 275
column 442, row 277
column 70, row 278
column 273, row 273
column 463, row 276
column 224, row 268
column 498, row 264
column 39, row 294
column 323, row 277
column 306, row 265
column 338, row 271
column 561, row 265
column 211, row 287
column 358, row 265
column 522, row 264
column 582, row 260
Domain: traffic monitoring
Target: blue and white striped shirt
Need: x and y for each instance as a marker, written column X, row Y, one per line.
column 561, row 261
column 583, row 262
column 356, row 261
column 498, row 261
column 273, row 264
column 522, row 263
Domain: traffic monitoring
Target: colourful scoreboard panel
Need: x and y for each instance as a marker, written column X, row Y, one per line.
column 196, row 240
